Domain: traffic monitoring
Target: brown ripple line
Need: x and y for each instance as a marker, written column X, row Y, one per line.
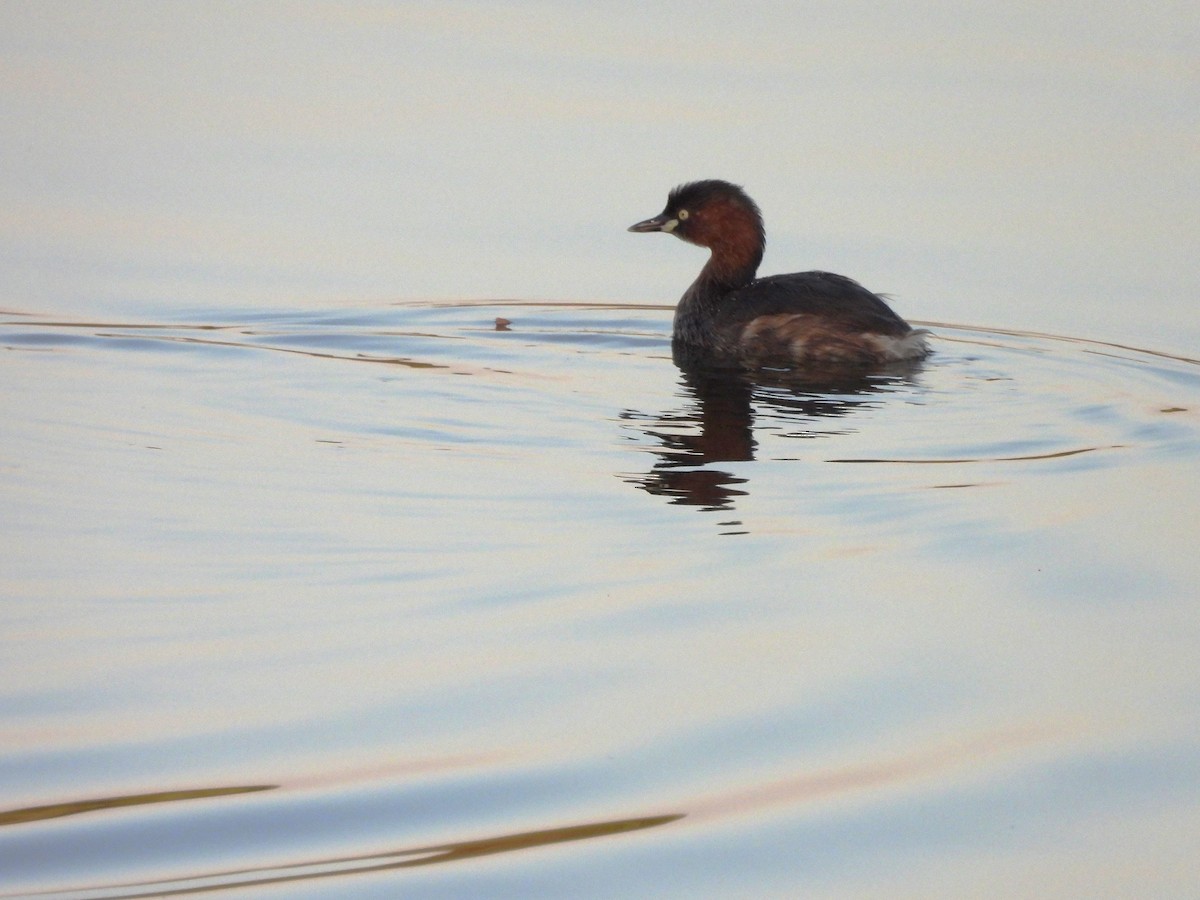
column 437, row 853
column 357, row 357
column 468, row 303
column 1049, row 336
column 924, row 323
column 131, row 326
column 407, row 362
column 130, row 332
column 239, row 345
column 75, row 807
column 1034, row 456
column 533, row 304
column 806, row 788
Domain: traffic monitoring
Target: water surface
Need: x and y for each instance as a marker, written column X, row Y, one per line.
column 391, row 599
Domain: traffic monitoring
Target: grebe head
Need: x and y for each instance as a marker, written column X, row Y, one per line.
column 717, row 215
column 708, row 213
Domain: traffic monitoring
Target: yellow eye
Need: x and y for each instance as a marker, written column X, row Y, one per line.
column 683, row 214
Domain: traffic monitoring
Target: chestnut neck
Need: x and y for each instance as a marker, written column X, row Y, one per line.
column 735, row 236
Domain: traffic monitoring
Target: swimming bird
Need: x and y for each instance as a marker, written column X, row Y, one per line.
column 728, row 317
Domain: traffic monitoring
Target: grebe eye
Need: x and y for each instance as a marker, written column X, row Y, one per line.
column 683, row 214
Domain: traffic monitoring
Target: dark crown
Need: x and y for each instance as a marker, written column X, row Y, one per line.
column 696, row 194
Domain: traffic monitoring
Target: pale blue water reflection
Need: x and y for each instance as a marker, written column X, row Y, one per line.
column 407, row 572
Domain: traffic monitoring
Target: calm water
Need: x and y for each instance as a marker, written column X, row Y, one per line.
column 314, row 586
column 374, row 601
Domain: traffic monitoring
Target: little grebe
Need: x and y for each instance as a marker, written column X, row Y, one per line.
column 728, row 317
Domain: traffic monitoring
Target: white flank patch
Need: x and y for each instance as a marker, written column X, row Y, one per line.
column 910, row 346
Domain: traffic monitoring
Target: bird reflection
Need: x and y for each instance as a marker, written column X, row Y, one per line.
column 716, row 423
